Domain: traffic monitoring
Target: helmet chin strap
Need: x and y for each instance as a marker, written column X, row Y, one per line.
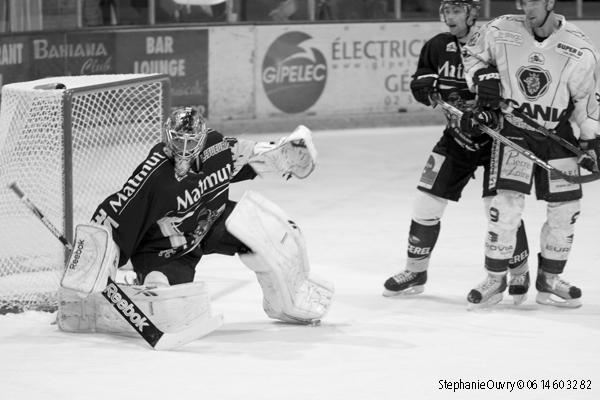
column 466, row 33
column 548, row 12
column 545, row 19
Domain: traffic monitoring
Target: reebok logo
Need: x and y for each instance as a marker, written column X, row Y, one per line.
column 128, row 309
column 77, row 254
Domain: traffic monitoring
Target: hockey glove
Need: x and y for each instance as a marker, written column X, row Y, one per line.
column 487, row 82
column 423, row 85
column 590, row 160
column 470, row 121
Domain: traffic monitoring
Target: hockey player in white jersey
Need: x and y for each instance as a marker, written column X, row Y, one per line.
column 548, row 70
column 455, row 157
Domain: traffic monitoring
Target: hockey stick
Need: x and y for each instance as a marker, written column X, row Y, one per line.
column 130, row 312
column 553, row 171
column 550, row 133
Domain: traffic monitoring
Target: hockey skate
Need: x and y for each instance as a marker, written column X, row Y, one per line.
column 405, row 283
column 554, row 291
column 488, row 293
column 518, row 285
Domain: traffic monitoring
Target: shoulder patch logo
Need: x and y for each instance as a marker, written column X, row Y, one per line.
column 533, row 81
column 451, row 47
column 537, row 58
column 568, row 50
column 509, row 37
column 473, row 39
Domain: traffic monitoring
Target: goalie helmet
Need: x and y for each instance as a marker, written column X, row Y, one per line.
column 185, row 134
column 471, row 7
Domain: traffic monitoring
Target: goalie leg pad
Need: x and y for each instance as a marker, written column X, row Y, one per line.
column 171, row 308
column 94, row 258
column 280, row 261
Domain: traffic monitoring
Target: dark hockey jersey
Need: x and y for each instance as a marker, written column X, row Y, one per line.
column 441, row 55
column 156, row 216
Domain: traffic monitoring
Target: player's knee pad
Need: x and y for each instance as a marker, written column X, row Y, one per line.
column 506, row 208
column 428, row 209
column 94, row 259
column 558, row 230
column 171, row 308
column 279, row 259
column 504, row 217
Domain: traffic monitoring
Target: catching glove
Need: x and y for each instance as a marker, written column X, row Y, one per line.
column 422, row 85
column 487, row 82
column 591, row 147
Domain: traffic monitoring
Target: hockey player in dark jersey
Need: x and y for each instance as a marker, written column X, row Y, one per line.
column 175, row 208
column 456, row 155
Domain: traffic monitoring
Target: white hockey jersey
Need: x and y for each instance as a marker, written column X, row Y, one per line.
column 551, row 80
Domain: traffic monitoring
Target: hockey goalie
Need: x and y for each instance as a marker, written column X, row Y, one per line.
column 174, row 209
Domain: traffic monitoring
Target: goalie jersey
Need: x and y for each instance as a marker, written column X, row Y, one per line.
column 156, row 216
column 550, row 81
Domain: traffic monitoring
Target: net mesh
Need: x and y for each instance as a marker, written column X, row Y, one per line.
column 114, row 120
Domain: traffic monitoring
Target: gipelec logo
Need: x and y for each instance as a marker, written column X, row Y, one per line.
column 293, row 75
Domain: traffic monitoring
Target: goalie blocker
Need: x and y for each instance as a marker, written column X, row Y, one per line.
column 279, row 259
column 95, row 258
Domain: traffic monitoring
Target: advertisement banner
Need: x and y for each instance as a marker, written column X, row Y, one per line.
column 338, row 68
column 61, row 54
column 181, row 54
column 90, row 53
column 15, row 59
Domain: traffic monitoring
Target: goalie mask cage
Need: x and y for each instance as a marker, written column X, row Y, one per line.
column 67, row 149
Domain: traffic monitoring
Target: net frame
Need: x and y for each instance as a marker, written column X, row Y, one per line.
column 115, row 136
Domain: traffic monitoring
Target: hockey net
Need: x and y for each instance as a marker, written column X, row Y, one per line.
column 67, row 149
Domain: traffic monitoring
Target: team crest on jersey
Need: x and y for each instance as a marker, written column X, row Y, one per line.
column 451, row 47
column 568, row 50
column 533, row 81
column 537, row 58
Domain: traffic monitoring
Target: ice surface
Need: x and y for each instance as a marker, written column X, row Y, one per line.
column 354, row 211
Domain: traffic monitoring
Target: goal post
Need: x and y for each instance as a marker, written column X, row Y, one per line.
column 68, row 142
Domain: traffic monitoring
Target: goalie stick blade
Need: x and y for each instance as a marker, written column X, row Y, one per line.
column 155, row 337
column 172, row 340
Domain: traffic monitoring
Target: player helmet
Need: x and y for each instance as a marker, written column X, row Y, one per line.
column 471, row 7
column 185, row 135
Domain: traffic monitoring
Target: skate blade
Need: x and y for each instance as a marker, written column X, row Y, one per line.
column 495, row 299
column 549, row 299
column 411, row 291
column 519, row 299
